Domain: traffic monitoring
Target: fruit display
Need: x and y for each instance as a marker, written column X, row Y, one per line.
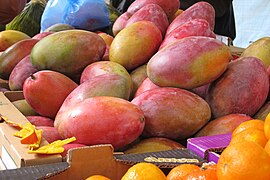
column 160, row 78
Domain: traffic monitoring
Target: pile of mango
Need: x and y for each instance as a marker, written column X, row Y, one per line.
column 161, row 75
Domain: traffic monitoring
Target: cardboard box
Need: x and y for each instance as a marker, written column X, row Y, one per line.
column 101, row 159
column 226, row 40
column 13, row 153
column 209, row 147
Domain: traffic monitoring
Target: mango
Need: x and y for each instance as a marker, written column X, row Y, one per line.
column 201, row 90
column 101, row 120
column 120, row 23
column 241, row 89
column 135, row 44
column 13, row 55
column 152, row 145
column 189, row 62
column 106, row 37
column 46, row 90
column 199, row 10
column 177, row 13
column 153, row 13
column 169, row 7
column 104, row 67
column 49, row 133
column 24, row 107
column 41, row 35
column 40, row 120
column 112, row 85
column 10, row 37
column 194, row 27
column 68, row 52
column 223, row 125
column 137, row 76
column 19, row 73
column 172, row 112
column 146, row 85
column 59, row 27
column 259, row 49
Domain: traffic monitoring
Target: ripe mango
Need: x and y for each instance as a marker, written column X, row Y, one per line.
column 14, row 54
column 138, row 75
column 19, row 73
column 135, row 44
column 259, row 49
column 189, row 62
column 44, row 101
column 172, row 112
column 104, row 67
column 153, row 13
column 68, row 52
column 223, row 125
column 10, row 37
column 169, row 7
column 242, row 88
column 120, row 23
column 194, row 27
column 199, row 10
column 101, row 120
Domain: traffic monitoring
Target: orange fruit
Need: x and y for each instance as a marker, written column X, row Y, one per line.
column 178, row 172
column 267, row 147
column 97, row 177
column 205, row 173
column 250, row 134
column 244, row 160
column 254, row 123
column 267, row 126
column 144, row 171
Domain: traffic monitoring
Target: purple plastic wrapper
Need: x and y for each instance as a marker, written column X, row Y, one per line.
column 209, row 147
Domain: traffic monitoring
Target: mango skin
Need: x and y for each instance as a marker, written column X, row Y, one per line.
column 172, row 112
column 223, row 125
column 112, row 85
column 146, row 85
column 104, row 67
column 24, row 107
column 259, row 49
column 45, row 102
column 201, row 10
column 135, row 44
column 189, row 62
column 152, row 145
column 14, row 54
column 10, row 37
column 153, row 13
column 194, row 27
column 169, row 7
column 19, row 73
column 242, row 89
column 138, row 75
column 102, row 120
column 68, row 52
column 120, row 23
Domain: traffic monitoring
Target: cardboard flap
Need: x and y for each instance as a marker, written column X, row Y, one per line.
column 92, row 160
column 163, row 159
column 33, row 172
